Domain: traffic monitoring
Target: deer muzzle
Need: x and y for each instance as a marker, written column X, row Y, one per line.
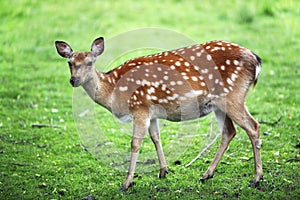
column 75, row 81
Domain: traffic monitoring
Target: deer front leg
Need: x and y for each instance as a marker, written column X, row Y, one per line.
column 155, row 136
column 139, row 130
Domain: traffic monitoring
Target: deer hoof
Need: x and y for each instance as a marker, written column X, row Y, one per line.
column 162, row 173
column 253, row 185
column 255, row 182
column 206, row 177
column 126, row 186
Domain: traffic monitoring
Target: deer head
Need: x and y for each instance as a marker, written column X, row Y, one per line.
column 81, row 63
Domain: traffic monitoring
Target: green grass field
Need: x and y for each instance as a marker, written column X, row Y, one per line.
column 51, row 163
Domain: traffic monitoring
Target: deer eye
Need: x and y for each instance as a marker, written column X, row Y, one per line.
column 90, row 63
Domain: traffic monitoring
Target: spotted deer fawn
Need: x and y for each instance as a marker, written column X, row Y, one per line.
column 176, row 85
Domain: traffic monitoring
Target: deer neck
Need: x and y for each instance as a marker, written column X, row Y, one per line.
column 98, row 90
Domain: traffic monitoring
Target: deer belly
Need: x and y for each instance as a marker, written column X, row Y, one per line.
column 183, row 112
column 124, row 118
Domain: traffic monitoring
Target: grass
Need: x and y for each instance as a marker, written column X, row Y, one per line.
column 50, row 163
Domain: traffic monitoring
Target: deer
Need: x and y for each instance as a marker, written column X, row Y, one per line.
column 176, row 85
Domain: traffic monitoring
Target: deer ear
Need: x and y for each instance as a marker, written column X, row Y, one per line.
column 97, row 47
column 63, row 49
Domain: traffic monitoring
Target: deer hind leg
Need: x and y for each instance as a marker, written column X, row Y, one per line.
column 228, row 133
column 244, row 119
column 155, row 136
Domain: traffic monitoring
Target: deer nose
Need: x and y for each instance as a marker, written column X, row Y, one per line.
column 74, row 81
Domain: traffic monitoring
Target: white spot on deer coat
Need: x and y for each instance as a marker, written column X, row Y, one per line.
column 186, row 77
column 186, row 64
column 131, row 64
column 208, row 57
column 196, row 67
column 148, row 97
column 193, row 93
column 172, row 98
column 138, row 82
column 194, row 78
column 236, row 62
column 179, row 83
column 226, row 90
column 154, row 98
column 123, row 89
column 172, row 83
column 134, row 97
column 204, row 71
column 233, row 77
column 229, row 81
column 177, row 63
column 151, row 90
